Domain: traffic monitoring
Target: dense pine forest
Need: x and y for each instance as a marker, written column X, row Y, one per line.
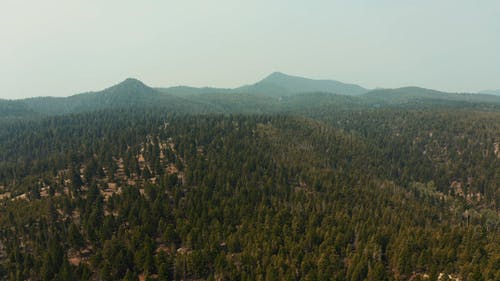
column 237, row 187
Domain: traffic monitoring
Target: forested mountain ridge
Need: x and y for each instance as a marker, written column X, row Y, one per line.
column 136, row 183
column 129, row 93
column 276, row 93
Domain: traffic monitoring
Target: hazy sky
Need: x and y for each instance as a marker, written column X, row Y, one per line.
column 60, row 48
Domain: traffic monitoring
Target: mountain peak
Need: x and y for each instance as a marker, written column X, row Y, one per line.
column 132, row 82
column 129, row 87
column 129, row 84
column 277, row 74
column 296, row 84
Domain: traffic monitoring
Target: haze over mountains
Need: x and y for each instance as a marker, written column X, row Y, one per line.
column 277, row 84
column 277, row 92
column 491, row 92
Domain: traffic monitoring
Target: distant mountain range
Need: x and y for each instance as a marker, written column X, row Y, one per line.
column 491, row 92
column 282, row 84
column 276, row 84
column 277, row 92
column 416, row 94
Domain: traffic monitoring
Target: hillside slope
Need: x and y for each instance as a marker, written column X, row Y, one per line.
column 141, row 193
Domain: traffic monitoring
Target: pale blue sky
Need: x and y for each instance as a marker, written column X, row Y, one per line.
column 60, row 48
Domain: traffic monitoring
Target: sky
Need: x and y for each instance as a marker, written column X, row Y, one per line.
column 65, row 47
